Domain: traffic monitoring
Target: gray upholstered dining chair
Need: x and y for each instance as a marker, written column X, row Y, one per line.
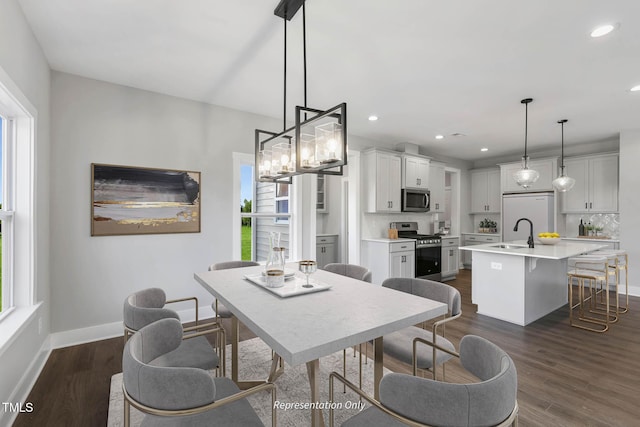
column 355, row 272
column 180, row 396
column 220, row 310
column 148, row 305
column 406, row 344
column 416, row 401
column 350, row 270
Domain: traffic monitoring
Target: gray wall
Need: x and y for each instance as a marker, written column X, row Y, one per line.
column 100, row 122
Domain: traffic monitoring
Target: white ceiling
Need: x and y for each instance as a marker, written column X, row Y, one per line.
column 425, row 67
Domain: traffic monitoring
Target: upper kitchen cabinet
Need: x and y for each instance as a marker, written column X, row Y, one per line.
column 382, row 173
column 415, row 172
column 485, row 191
column 545, row 167
column 596, row 188
column 436, row 186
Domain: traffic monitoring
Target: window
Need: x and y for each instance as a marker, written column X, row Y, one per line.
column 6, row 215
column 264, row 208
column 282, row 202
column 17, row 201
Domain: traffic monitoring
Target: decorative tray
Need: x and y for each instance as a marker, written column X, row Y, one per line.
column 292, row 287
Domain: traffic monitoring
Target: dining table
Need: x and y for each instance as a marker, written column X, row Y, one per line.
column 304, row 328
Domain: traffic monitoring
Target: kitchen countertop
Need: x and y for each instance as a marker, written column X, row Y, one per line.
column 450, row 236
column 387, row 240
column 482, row 234
column 326, row 234
column 560, row 250
column 585, row 239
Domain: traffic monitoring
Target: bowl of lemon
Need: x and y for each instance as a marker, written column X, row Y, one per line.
column 548, row 238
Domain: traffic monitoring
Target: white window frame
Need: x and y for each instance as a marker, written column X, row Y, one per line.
column 7, row 213
column 282, row 219
column 18, row 208
column 240, row 159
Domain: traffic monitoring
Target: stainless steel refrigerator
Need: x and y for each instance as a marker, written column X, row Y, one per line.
column 538, row 207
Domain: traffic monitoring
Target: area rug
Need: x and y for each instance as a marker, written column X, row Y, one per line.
column 292, row 387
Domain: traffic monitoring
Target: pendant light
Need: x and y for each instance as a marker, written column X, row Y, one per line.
column 563, row 183
column 317, row 143
column 525, row 177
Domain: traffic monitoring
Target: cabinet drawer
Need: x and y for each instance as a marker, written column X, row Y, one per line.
column 402, row 246
column 451, row 241
column 481, row 239
column 326, row 239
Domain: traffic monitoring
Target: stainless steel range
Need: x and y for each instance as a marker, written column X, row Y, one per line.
column 428, row 250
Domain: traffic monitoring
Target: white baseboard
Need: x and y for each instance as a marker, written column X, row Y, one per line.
column 112, row 330
column 26, row 383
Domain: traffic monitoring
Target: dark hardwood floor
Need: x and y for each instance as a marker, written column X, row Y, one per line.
column 566, row 376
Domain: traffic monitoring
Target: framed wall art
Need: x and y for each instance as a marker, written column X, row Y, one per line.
column 136, row 200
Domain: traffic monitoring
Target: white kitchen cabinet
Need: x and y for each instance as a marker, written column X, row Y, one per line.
column 450, row 258
column 596, row 187
column 485, row 191
column 476, row 239
column 436, row 186
column 415, row 172
column 326, row 251
column 382, row 172
column 389, row 258
column 546, row 168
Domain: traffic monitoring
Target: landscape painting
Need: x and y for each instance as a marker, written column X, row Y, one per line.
column 133, row 200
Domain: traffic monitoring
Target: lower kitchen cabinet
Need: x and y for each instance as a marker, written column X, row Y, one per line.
column 326, row 251
column 389, row 258
column 476, row 239
column 450, row 257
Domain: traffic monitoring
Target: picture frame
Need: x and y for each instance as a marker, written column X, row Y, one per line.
column 130, row 200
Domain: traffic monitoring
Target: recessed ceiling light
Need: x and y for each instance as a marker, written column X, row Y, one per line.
column 603, row 30
column 484, row 149
column 635, row 88
column 439, row 136
column 373, row 118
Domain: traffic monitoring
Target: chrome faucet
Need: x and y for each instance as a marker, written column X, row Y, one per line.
column 530, row 240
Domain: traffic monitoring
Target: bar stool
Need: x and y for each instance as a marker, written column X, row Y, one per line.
column 620, row 264
column 594, row 269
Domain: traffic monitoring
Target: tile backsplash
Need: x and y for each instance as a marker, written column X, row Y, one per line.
column 376, row 225
column 610, row 223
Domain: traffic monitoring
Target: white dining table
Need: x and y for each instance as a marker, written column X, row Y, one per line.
column 305, row 328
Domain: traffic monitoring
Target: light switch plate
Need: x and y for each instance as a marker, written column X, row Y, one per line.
column 496, row 266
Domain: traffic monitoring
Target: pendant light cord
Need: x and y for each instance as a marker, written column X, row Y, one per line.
column 526, row 117
column 284, row 114
column 304, row 50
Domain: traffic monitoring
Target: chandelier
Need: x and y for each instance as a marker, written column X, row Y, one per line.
column 317, row 143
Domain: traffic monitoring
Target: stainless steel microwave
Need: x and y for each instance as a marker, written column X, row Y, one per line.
column 415, row 200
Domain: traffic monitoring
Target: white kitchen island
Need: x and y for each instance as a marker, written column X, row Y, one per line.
column 519, row 284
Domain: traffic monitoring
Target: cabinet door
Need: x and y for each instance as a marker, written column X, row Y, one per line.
column 402, row 264
column 576, row 200
column 449, row 261
column 479, row 192
column 436, row 186
column 416, row 172
column 321, row 200
column 325, row 254
column 409, row 268
column 603, row 184
column 493, row 191
column 394, row 183
column 383, row 171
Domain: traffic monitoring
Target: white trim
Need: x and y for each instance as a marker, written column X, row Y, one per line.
column 455, row 197
column 113, row 329
column 355, row 199
column 25, row 385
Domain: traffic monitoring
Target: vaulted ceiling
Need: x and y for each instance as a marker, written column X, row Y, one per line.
column 424, row 67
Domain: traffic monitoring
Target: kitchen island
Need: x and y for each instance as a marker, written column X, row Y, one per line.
column 518, row 284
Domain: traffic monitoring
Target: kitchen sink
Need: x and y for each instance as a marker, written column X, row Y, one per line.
column 509, row 246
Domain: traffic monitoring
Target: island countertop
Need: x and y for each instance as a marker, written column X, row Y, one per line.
column 561, row 250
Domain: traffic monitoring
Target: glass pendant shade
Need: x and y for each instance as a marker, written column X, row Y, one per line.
column 525, row 177
column 329, row 143
column 563, row 183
